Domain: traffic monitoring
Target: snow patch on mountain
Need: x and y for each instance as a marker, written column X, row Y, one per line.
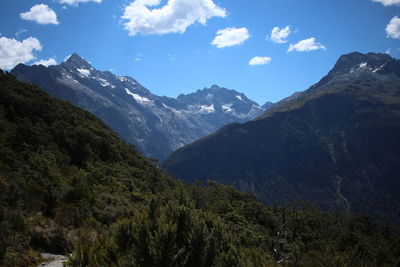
column 379, row 68
column 104, row 82
column 140, row 99
column 227, row 107
column 363, row 65
column 207, row 109
column 240, row 98
column 84, row 72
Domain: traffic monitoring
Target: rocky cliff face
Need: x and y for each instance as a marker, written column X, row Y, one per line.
column 156, row 125
column 336, row 144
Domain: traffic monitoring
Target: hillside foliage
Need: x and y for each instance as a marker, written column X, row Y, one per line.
column 68, row 185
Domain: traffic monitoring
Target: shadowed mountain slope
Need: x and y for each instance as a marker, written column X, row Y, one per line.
column 336, row 144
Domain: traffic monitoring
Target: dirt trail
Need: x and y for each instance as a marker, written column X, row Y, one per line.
column 53, row 260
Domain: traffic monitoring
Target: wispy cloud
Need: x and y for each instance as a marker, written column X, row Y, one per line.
column 393, row 28
column 13, row 52
column 388, row 2
column 138, row 57
column 279, row 35
column 230, row 37
column 41, row 14
column 20, row 31
column 172, row 57
column 174, row 17
column 76, row 2
column 306, row 45
column 259, row 61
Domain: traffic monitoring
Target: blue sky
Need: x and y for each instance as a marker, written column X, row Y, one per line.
column 171, row 46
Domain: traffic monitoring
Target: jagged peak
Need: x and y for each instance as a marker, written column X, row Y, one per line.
column 268, row 105
column 214, row 87
column 354, row 64
column 351, row 61
column 214, row 90
column 76, row 61
column 74, row 57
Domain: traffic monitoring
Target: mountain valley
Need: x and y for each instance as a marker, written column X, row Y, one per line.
column 69, row 185
column 200, row 133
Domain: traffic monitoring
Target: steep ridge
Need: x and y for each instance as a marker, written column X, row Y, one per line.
column 336, row 144
column 156, row 125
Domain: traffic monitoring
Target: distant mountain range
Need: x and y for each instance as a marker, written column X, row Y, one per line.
column 156, row 125
column 336, row 144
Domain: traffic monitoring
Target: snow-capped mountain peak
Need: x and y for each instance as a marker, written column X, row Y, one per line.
column 74, row 61
column 156, row 125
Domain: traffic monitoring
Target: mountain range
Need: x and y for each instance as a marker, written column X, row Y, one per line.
column 336, row 144
column 69, row 185
column 156, row 125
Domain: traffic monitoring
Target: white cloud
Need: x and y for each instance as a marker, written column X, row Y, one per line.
column 46, row 62
column 279, row 35
column 138, row 57
column 230, row 37
column 20, row 31
column 259, row 61
column 388, row 2
column 76, row 2
column 41, row 14
column 306, row 45
column 174, row 17
column 13, row 52
column 393, row 28
column 172, row 57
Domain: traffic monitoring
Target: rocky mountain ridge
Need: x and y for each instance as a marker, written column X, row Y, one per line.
column 157, row 125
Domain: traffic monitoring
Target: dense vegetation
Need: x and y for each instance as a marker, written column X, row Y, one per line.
column 69, row 185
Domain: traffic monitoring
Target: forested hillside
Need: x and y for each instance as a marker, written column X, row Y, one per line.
column 68, row 185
